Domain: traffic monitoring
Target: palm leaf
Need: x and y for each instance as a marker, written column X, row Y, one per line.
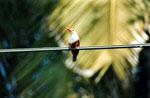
column 100, row 22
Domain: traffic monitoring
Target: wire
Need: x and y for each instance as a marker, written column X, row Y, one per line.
column 42, row 49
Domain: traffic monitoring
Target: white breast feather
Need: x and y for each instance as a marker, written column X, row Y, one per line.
column 73, row 37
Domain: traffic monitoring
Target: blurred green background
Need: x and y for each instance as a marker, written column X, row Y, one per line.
column 120, row 73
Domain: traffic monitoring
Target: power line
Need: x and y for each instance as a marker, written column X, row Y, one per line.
column 42, row 49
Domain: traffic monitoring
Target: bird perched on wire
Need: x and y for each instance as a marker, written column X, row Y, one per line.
column 73, row 43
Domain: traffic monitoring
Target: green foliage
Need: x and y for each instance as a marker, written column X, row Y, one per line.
column 39, row 74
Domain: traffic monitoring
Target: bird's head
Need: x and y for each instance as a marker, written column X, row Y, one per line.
column 70, row 30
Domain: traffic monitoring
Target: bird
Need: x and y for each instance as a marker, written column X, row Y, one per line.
column 74, row 42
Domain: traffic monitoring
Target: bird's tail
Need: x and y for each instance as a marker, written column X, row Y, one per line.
column 74, row 58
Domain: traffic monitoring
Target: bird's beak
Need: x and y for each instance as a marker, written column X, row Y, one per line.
column 68, row 29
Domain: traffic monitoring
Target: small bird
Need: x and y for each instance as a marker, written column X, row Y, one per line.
column 73, row 43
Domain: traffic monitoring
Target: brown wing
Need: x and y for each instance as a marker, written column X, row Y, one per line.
column 75, row 45
column 69, row 45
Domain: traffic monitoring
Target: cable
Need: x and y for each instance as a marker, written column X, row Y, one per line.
column 42, row 49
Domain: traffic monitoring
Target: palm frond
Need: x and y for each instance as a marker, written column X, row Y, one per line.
column 100, row 22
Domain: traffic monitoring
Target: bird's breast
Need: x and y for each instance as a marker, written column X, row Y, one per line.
column 73, row 38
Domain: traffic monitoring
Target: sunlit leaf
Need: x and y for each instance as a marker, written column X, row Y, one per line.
column 100, row 22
